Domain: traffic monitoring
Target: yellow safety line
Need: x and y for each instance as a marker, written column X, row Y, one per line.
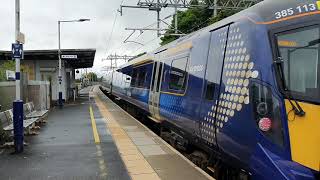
column 94, row 127
column 136, row 164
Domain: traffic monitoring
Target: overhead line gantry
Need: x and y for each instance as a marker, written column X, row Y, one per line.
column 216, row 5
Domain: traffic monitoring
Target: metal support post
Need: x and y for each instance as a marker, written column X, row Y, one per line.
column 158, row 17
column 176, row 20
column 60, row 101
column 18, row 103
column 158, row 22
column 111, row 85
column 215, row 10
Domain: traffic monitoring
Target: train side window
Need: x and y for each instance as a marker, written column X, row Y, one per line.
column 178, row 74
column 134, row 77
column 141, row 78
column 210, row 91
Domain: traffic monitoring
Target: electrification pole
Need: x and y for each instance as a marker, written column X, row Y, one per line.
column 176, row 20
column 158, row 17
column 215, row 11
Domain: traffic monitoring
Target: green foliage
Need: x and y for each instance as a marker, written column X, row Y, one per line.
column 8, row 65
column 188, row 21
column 221, row 15
column 194, row 19
column 91, row 76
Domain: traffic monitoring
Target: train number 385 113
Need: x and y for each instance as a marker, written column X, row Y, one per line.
column 297, row 10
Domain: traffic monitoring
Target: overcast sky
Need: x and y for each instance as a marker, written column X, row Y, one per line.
column 39, row 24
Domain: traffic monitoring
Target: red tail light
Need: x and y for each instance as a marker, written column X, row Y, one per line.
column 265, row 124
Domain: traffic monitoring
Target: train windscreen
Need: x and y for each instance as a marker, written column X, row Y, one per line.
column 299, row 49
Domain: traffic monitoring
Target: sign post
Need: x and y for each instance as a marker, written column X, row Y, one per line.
column 17, row 54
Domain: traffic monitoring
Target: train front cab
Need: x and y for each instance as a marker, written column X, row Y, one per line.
column 263, row 109
column 294, row 43
column 242, row 111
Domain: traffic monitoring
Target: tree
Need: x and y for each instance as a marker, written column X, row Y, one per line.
column 188, row 21
column 91, row 76
column 221, row 15
column 9, row 65
column 194, row 19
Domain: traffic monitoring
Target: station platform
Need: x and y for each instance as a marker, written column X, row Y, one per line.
column 93, row 138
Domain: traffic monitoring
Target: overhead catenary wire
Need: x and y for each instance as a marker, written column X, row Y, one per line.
column 141, row 32
column 142, row 45
column 112, row 29
column 135, row 51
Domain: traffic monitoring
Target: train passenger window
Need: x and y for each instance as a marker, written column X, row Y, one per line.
column 210, row 91
column 141, row 78
column 178, row 74
column 134, row 77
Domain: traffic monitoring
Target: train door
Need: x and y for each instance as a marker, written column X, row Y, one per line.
column 154, row 95
column 212, row 81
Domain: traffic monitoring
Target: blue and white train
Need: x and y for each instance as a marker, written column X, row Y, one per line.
column 245, row 90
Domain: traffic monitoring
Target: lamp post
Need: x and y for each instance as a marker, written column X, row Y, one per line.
column 18, row 103
column 60, row 103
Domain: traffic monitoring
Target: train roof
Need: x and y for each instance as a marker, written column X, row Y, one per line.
column 263, row 13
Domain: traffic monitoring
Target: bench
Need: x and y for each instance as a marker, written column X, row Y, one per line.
column 6, row 128
column 5, row 124
column 30, row 112
column 5, row 131
column 28, row 124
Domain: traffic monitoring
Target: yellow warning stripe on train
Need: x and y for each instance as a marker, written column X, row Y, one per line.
column 318, row 4
column 180, row 48
column 304, row 135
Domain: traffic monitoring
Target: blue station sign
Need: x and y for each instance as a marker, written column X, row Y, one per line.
column 17, row 51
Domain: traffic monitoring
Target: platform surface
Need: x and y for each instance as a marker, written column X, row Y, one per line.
column 93, row 138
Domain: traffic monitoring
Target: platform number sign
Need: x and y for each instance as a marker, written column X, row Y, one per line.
column 17, row 51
